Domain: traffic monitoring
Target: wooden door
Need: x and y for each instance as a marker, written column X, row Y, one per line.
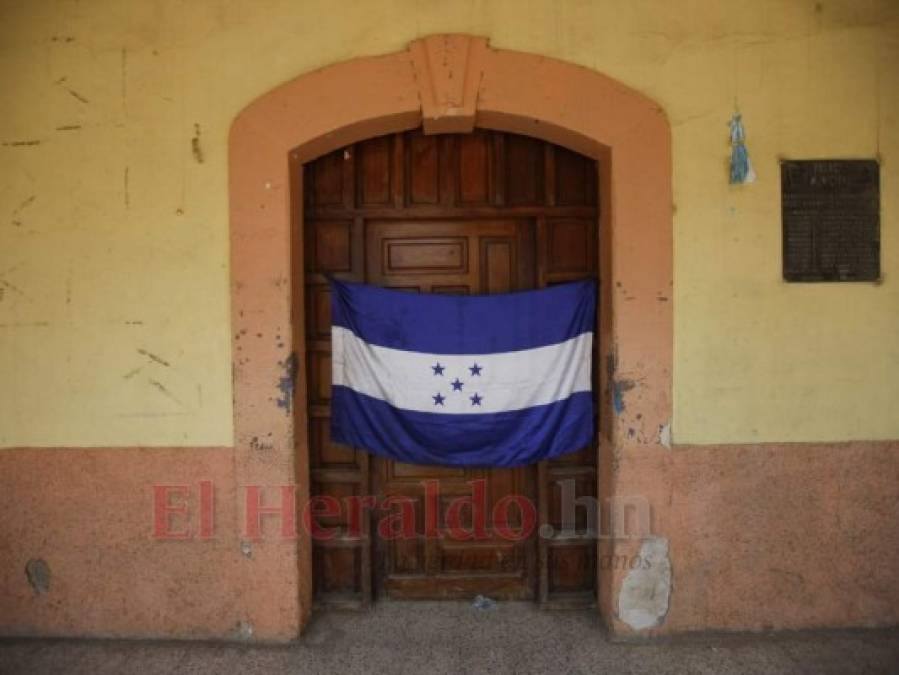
column 481, row 213
column 466, row 256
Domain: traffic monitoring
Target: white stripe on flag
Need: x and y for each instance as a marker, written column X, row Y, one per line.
column 507, row 380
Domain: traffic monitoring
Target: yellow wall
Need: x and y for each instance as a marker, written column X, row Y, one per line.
column 114, row 236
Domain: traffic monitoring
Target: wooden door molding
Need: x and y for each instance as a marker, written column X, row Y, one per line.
column 516, row 92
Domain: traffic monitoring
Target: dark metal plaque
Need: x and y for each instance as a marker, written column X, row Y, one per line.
column 831, row 220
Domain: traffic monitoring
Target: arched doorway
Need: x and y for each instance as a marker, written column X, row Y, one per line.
column 445, row 84
column 478, row 213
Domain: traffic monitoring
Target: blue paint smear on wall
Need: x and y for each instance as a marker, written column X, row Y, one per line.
column 287, row 382
column 618, row 389
column 618, row 397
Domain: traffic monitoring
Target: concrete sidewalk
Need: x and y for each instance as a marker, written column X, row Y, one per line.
column 451, row 637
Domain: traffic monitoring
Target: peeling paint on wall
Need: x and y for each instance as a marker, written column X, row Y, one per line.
column 665, row 435
column 644, row 596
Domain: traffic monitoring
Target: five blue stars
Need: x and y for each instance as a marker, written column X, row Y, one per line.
column 457, row 384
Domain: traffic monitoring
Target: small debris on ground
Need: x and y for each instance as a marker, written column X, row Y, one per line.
column 483, row 603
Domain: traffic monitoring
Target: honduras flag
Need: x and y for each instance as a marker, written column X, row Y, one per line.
column 491, row 380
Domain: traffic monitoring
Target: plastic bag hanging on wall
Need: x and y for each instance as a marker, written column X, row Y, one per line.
column 740, row 166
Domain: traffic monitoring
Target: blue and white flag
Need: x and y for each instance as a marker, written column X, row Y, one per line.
column 491, row 380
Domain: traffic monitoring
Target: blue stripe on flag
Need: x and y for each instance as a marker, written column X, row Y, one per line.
column 504, row 439
column 460, row 324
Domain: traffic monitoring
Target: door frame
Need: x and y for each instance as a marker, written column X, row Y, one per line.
column 447, row 83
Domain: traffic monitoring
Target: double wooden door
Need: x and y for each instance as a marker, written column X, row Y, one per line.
column 474, row 214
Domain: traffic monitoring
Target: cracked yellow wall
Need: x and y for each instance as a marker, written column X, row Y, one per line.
column 113, row 200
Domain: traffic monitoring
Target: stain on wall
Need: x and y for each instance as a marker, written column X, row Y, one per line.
column 37, row 572
column 195, row 147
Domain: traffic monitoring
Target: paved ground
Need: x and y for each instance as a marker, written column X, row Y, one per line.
column 432, row 638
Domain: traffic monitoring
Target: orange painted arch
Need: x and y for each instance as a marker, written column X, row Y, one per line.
column 445, row 83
